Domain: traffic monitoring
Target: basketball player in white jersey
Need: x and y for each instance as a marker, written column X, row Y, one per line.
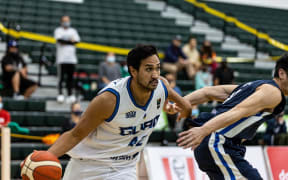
column 112, row 132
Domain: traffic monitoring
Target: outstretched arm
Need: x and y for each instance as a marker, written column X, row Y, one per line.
column 218, row 93
column 100, row 109
column 265, row 97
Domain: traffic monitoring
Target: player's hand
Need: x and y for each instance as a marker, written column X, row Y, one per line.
column 191, row 138
column 183, row 114
column 171, row 108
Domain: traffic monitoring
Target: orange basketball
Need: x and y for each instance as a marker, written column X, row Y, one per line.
column 41, row 165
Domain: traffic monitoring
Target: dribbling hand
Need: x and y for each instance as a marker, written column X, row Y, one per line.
column 191, row 138
column 171, row 108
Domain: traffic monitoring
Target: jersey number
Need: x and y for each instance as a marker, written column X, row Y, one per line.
column 135, row 142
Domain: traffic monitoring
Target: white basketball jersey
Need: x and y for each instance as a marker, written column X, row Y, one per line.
column 120, row 139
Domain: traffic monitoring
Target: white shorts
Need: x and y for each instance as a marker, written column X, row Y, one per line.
column 93, row 170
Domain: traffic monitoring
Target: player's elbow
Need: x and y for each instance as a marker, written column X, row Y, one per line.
column 208, row 92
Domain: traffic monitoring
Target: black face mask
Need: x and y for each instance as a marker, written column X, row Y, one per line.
column 224, row 64
column 77, row 113
column 14, row 54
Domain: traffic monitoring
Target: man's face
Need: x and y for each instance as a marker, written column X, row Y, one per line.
column 171, row 79
column 13, row 49
column 76, row 107
column 148, row 74
column 65, row 21
column 284, row 81
column 193, row 43
column 176, row 43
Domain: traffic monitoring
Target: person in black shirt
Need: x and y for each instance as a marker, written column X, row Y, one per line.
column 14, row 76
column 224, row 74
column 175, row 60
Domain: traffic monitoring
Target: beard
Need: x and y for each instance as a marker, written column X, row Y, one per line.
column 143, row 86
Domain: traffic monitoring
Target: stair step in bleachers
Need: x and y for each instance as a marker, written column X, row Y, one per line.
column 39, row 118
column 24, row 105
column 43, row 130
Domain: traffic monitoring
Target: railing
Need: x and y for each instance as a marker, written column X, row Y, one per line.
column 239, row 24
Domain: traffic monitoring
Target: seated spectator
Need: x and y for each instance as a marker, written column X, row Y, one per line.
column 124, row 69
column 172, row 82
column 109, row 70
column 223, row 74
column 192, row 54
column 175, row 60
column 4, row 115
column 172, row 117
column 276, row 132
column 15, row 73
column 203, row 78
column 208, row 56
column 76, row 112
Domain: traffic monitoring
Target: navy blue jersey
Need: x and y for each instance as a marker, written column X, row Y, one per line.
column 244, row 128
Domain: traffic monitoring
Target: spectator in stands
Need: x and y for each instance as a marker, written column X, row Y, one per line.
column 4, row 115
column 192, row 54
column 76, row 112
column 171, row 78
column 172, row 117
column 208, row 56
column 124, row 69
column 175, row 60
column 15, row 76
column 223, row 74
column 276, row 132
column 203, row 77
column 109, row 70
column 66, row 59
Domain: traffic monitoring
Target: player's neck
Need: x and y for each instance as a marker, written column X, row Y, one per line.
column 139, row 94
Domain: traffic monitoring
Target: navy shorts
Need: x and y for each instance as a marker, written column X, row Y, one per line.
column 223, row 158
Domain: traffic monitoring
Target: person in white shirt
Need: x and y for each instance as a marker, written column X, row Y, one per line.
column 66, row 59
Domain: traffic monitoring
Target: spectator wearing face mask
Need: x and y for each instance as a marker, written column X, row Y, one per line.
column 66, row 59
column 203, row 78
column 124, row 69
column 4, row 115
column 171, row 78
column 76, row 112
column 109, row 70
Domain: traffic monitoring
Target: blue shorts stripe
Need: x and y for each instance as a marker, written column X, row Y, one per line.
column 221, row 157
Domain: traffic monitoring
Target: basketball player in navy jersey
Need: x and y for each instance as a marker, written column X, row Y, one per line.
column 116, row 126
column 217, row 141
